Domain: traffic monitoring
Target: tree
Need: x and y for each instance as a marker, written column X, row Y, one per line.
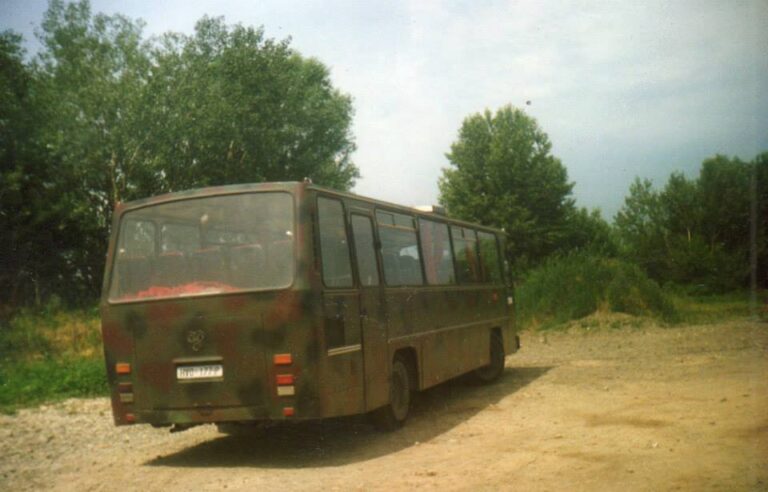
column 503, row 174
column 696, row 232
column 34, row 221
column 228, row 106
column 117, row 118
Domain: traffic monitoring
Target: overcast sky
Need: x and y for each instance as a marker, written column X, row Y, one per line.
column 622, row 89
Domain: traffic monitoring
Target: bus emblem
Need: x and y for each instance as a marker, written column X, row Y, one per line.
column 195, row 338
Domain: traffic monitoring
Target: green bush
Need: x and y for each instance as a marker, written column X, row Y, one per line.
column 51, row 332
column 49, row 354
column 576, row 285
column 32, row 382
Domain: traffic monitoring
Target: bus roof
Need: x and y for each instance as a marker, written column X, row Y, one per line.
column 291, row 186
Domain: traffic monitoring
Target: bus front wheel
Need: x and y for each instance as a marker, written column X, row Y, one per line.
column 392, row 415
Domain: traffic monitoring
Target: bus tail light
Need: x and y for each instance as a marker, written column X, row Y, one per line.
column 288, row 411
column 123, row 368
column 130, row 418
column 283, row 359
column 283, row 379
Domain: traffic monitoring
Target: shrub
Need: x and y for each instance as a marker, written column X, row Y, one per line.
column 31, row 382
column 576, row 285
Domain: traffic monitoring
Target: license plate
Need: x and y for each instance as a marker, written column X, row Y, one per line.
column 200, row 372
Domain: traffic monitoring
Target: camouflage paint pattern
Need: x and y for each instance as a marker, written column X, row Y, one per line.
column 443, row 330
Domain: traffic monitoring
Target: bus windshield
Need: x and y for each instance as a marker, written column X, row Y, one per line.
column 205, row 246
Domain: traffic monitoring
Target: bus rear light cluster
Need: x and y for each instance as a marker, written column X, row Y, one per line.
column 288, row 412
column 125, row 388
column 285, row 385
column 284, row 382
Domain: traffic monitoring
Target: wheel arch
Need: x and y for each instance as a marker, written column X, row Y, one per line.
column 411, row 359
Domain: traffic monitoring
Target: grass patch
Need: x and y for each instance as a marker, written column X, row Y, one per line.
column 49, row 355
column 574, row 286
column 26, row 383
column 51, row 332
column 712, row 308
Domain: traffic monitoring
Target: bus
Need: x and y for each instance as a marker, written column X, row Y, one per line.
column 289, row 301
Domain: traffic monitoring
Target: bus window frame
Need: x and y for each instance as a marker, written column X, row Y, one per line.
column 462, row 227
column 447, row 225
column 499, row 261
column 376, row 250
column 346, row 226
column 415, row 229
column 119, row 222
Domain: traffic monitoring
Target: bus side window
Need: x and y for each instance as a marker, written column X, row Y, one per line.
column 489, row 257
column 400, row 249
column 465, row 255
column 362, row 231
column 334, row 247
column 436, row 247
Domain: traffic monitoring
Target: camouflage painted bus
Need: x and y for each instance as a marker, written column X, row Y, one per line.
column 289, row 301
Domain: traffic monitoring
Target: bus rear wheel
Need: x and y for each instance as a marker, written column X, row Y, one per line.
column 392, row 416
column 494, row 370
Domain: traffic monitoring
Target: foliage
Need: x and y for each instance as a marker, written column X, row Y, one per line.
column 698, row 231
column 50, row 354
column 32, row 382
column 102, row 115
column 229, row 105
column 576, row 285
column 503, row 174
column 51, row 332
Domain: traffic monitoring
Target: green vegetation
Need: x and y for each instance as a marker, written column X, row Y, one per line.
column 503, row 174
column 588, row 288
column 579, row 284
column 102, row 115
column 702, row 238
column 49, row 355
column 696, row 232
column 32, row 382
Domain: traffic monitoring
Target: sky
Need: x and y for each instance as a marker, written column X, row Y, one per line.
column 623, row 89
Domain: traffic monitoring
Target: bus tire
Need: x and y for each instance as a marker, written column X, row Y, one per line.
column 494, row 370
column 392, row 416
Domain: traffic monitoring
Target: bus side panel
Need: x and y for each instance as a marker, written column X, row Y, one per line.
column 457, row 339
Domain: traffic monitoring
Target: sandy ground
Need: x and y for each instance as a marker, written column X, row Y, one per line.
column 631, row 409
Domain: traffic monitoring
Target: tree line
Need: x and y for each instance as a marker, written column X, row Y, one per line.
column 102, row 115
column 708, row 233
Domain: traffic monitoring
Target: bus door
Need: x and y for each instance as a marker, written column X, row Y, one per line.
column 373, row 326
column 344, row 381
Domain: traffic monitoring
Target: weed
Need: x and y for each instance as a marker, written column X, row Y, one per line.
column 25, row 383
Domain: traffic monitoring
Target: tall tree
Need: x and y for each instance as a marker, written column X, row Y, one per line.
column 696, row 232
column 35, row 223
column 119, row 118
column 91, row 73
column 229, row 105
column 502, row 173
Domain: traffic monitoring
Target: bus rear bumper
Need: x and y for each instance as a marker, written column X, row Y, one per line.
column 207, row 415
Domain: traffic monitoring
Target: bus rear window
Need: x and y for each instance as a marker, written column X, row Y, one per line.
column 202, row 246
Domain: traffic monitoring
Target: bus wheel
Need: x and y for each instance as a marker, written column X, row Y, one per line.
column 492, row 371
column 392, row 416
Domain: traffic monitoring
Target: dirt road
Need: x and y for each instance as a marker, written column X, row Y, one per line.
column 632, row 409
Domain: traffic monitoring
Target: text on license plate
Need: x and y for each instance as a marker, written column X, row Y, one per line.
column 200, row 372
